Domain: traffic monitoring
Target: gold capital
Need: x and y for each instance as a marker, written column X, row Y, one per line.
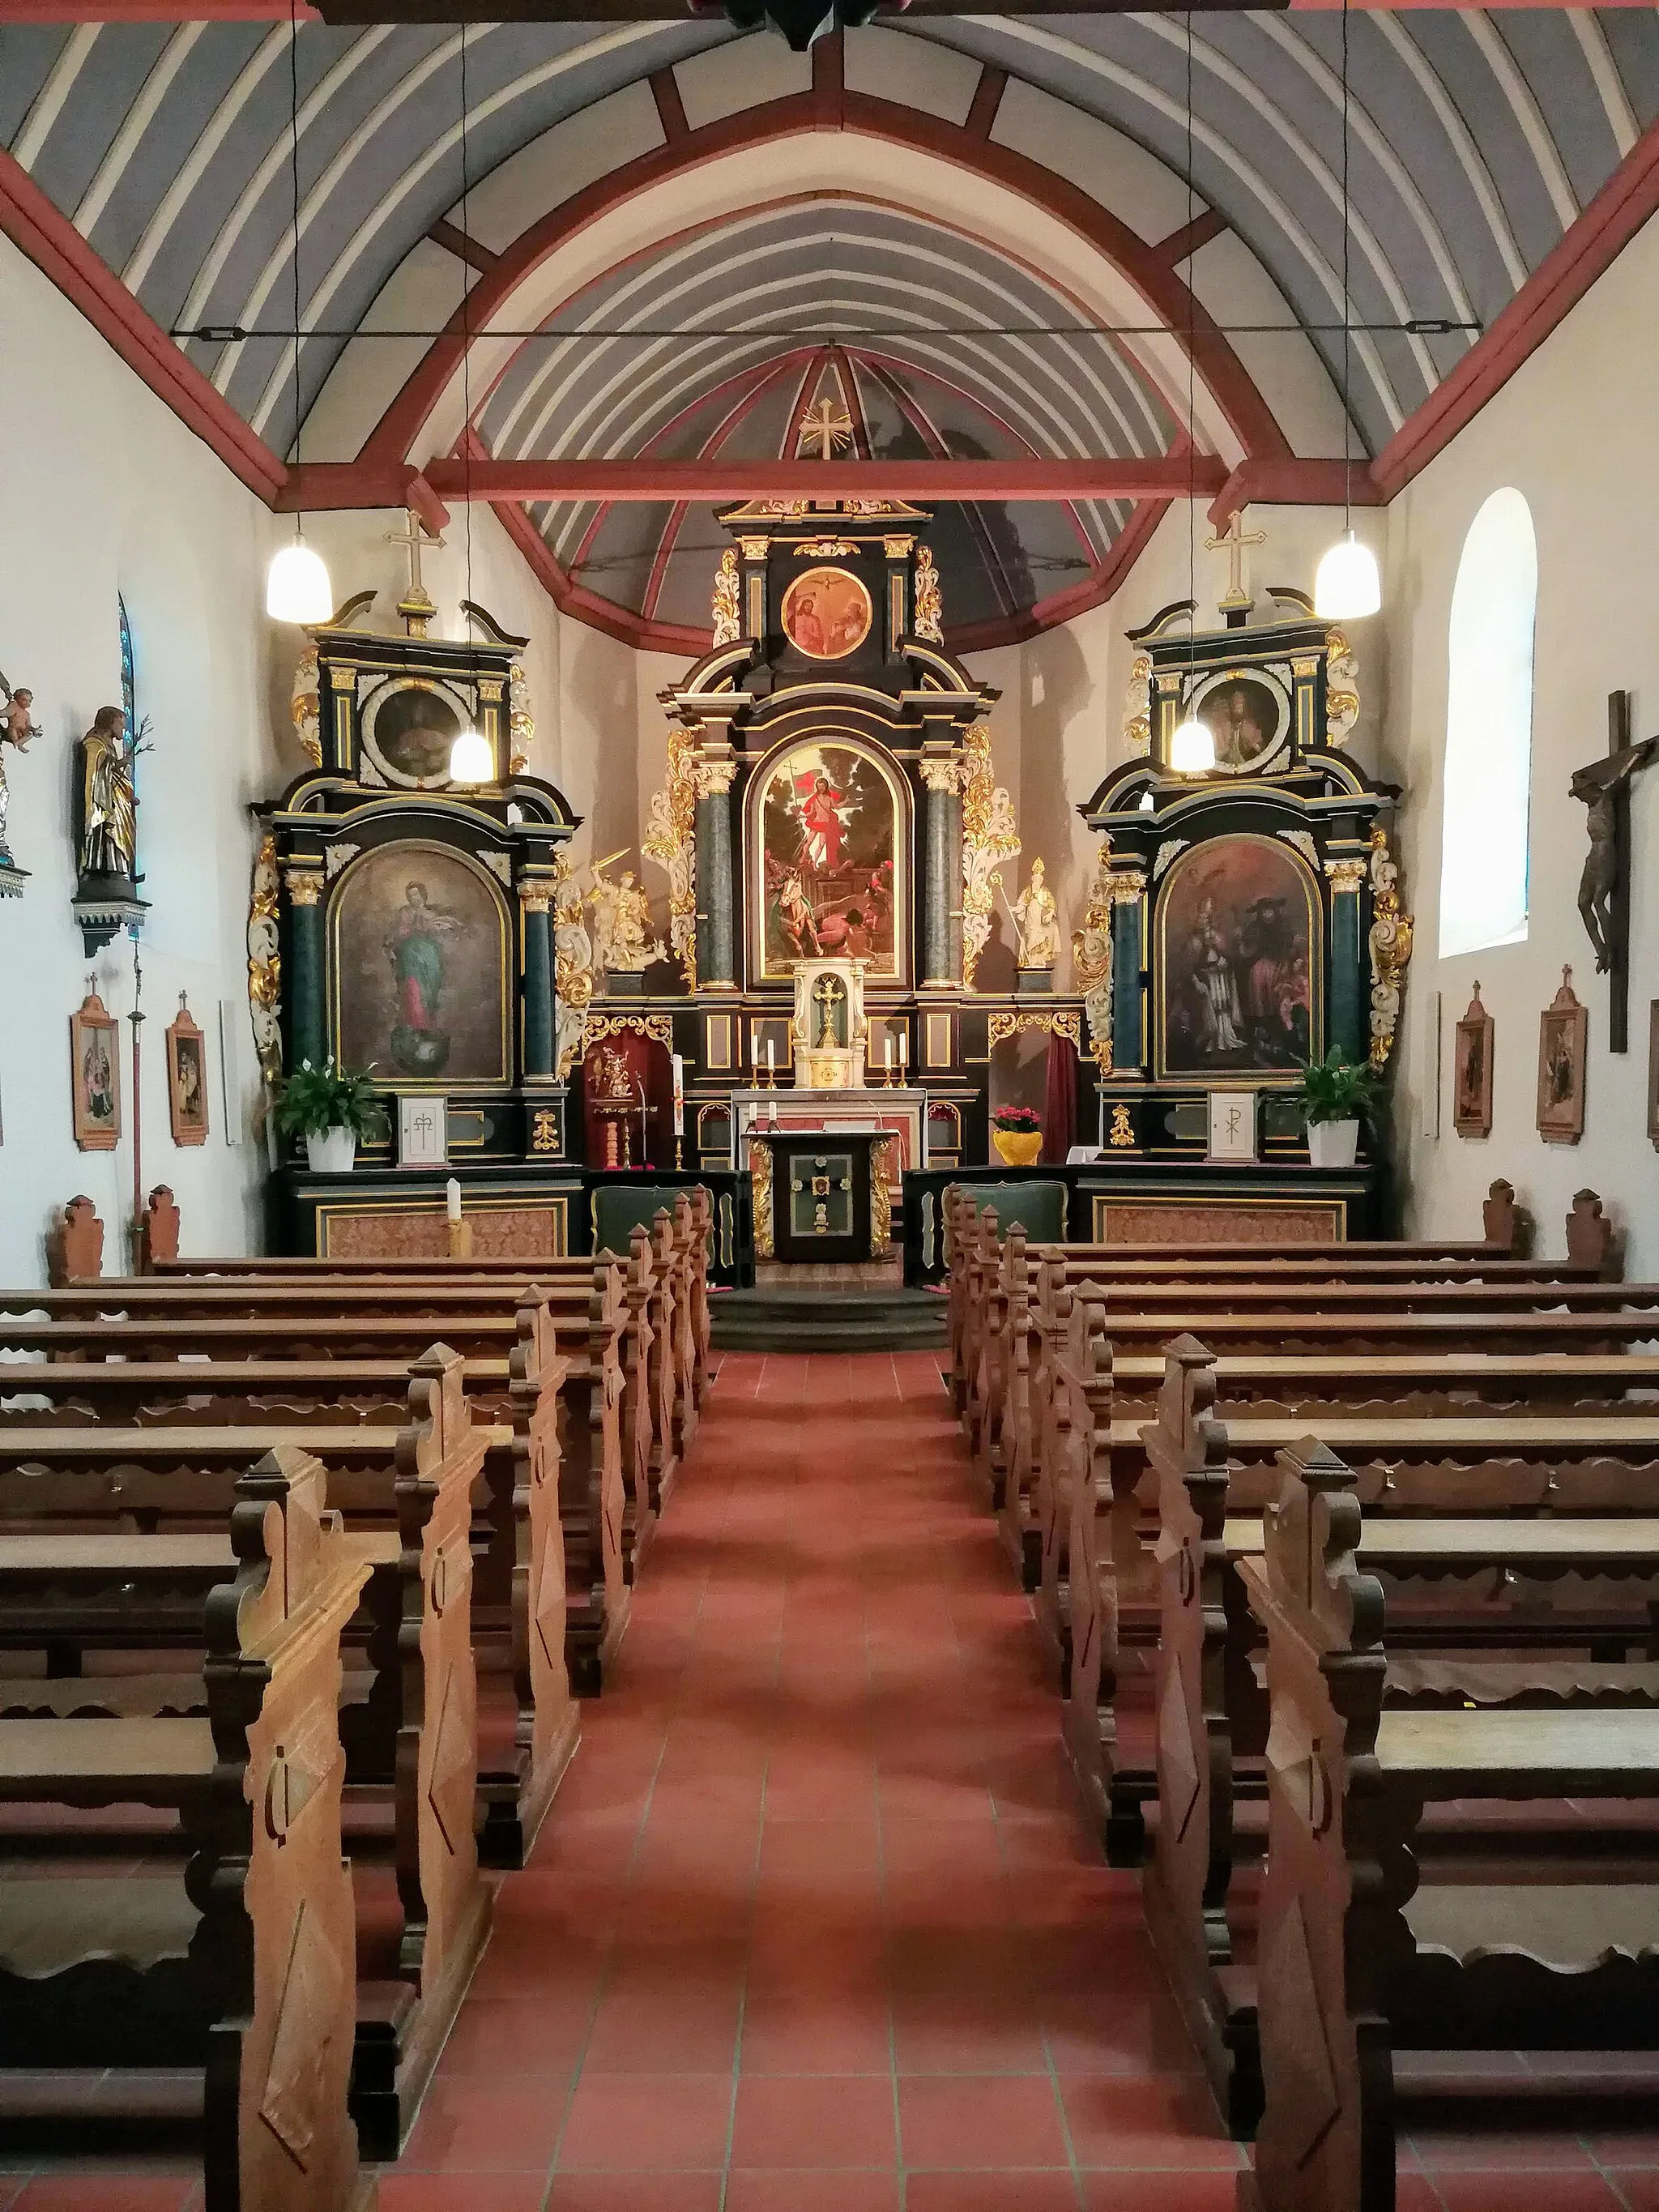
column 305, row 886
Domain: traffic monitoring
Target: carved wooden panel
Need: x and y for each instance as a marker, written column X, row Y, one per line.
column 1217, row 1221
column 421, row 1232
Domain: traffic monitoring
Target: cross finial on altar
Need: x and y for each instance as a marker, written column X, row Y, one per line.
column 1235, row 538
column 415, row 606
column 831, row 426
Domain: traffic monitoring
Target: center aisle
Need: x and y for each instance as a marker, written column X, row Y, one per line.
column 813, row 1926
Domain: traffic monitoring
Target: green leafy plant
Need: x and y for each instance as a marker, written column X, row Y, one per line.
column 315, row 1100
column 1338, row 1089
column 1020, row 1119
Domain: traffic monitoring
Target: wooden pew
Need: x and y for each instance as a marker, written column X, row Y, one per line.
column 407, row 1498
column 1461, row 1462
column 1017, row 1287
column 1358, row 1964
column 1471, row 1590
column 1305, row 1387
column 974, row 1258
column 680, row 1246
column 593, row 1494
column 244, row 1974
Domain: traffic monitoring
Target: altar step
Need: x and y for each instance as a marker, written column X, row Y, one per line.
column 772, row 1320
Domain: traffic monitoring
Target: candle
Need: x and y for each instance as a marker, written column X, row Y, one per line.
column 771, row 1062
column 453, row 1198
column 904, row 1047
column 678, row 1059
column 889, row 1043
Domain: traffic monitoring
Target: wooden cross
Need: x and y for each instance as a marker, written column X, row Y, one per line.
column 415, row 607
column 1235, row 538
column 829, row 425
column 1604, row 786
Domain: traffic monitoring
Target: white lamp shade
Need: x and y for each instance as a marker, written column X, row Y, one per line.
column 471, row 760
column 1147, row 802
column 297, row 589
column 1347, row 584
column 1191, row 747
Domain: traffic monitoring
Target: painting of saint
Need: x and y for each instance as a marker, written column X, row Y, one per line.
column 187, row 1106
column 94, row 1069
column 412, row 728
column 826, row 613
column 828, row 848
column 418, row 984
column 1472, row 1071
column 1246, row 717
column 1237, row 953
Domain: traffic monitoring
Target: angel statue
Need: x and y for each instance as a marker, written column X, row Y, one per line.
column 109, row 817
column 1036, row 922
column 622, row 923
column 727, row 608
column 16, row 728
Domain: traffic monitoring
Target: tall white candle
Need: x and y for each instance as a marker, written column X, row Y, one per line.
column 904, row 1047
column 678, row 1059
column 453, row 1198
column 771, row 1062
column 888, row 1041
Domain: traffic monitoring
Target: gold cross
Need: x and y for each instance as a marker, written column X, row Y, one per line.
column 827, row 991
column 1235, row 538
column 415, row 538
column 829, row 425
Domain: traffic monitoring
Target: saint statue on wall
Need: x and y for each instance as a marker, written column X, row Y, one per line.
column 109, row 818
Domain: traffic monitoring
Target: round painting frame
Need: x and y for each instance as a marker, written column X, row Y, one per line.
column 1261, row 678
column 385, row 696
column 822, row 577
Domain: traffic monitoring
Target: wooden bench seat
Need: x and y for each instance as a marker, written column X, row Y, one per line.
column 413, row 1743
column 1456, row 1462
column 600, row 1495
column 1345, row 1980
column 235, row 1968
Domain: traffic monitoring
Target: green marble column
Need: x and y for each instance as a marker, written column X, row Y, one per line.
column 940, row 866
column 717, row 891
column 538, row 986
column 1349, row 1004
column 306, row 984
column 1129, row 958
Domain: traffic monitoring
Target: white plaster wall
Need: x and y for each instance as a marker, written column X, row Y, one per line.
column 1575, row 431
column 108, row 492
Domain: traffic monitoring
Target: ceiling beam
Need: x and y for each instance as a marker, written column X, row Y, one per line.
column 1277, row 482
column 711, row 482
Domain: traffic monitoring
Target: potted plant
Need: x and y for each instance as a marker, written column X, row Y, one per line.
column 1335, row 1096
column 332, row 1110
column 1016, row 1132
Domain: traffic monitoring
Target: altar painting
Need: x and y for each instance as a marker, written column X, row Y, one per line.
column 828, row 866
column 1239, row 977
column 418, row 982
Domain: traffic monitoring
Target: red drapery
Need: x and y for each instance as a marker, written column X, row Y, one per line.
column 1060, row 1102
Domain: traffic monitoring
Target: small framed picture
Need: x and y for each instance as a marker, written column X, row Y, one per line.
column 187, row 1077
column 95, row 1075
column 1563, row 1048
column 1653, row 1071
column 1472, row 1071
column 1232, row 1125
column 423, row 1131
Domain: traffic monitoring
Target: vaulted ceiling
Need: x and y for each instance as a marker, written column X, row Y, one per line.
column 975, row 236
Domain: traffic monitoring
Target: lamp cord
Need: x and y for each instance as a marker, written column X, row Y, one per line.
column 1192, row 401
column 1347, row 305
column 466, row 331
column 294, row 172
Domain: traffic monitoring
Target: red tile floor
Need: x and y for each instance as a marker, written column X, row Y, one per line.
column 813, row 1925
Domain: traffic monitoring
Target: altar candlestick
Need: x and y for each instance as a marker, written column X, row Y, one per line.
column 453, row 1199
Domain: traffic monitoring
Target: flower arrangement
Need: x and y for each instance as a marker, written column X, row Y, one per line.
column 1018, row 1120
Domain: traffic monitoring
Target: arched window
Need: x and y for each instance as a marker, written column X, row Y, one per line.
column 1488, row 765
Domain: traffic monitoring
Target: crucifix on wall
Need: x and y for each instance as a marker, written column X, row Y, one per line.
column 415, row 606
column 1604, row 786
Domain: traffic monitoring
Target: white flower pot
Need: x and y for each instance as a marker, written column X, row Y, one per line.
column 1333, row 1144
column 333, row 1152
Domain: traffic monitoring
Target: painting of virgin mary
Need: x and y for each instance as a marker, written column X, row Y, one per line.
column 419, row 968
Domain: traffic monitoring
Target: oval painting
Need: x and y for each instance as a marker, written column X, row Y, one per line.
column 1248, row 716
column 411, row 728
column 827, row 613
column 418, row 975
column 1238, row 949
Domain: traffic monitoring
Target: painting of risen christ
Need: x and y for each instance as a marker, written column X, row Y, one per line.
column 827, row 859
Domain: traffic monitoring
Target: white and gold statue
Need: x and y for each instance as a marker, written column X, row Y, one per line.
column 1036, row 922
column 622, row 942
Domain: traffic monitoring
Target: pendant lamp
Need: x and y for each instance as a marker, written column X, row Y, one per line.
column 1191, row 747
column 472, row 760
column 1347, row 583
column 297, row 589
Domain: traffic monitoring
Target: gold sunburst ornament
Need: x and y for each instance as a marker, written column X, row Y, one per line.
column 826, row 427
